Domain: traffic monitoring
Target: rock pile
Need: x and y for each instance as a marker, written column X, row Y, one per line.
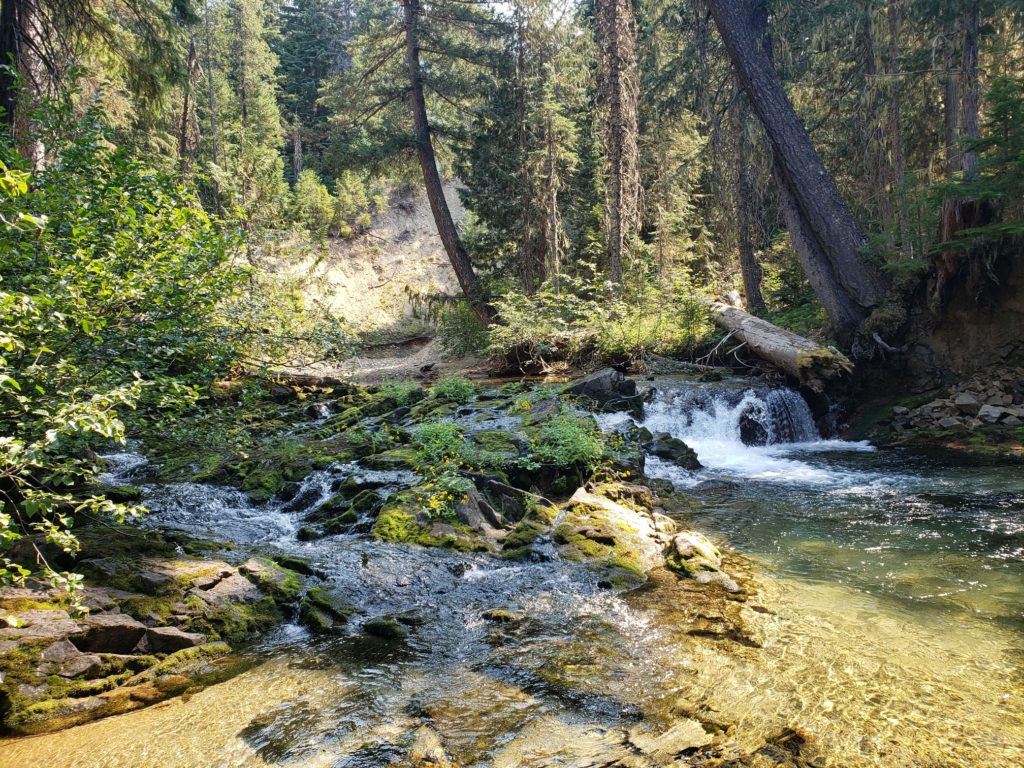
column 989, row 398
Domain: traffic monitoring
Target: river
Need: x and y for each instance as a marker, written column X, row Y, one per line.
column 890, row 626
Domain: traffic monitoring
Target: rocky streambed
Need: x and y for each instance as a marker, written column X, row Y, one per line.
column 484, row 577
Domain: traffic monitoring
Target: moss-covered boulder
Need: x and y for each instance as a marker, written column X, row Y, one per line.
column 323, row 612
column 523, row 538
column 622, row 538
column 396, row 458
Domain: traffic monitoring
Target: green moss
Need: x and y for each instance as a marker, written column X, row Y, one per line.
column 396, row 458
column 398, row 525
column 123, row 494
column 535, row 523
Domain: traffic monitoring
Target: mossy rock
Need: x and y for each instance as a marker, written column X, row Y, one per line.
column 498, row 442
column 322, row 612
column 620, row 539
column 122, row 494
column 398, row 523
column 386, row 628
column 432, row 409
column 396, row 458
column 535, row 523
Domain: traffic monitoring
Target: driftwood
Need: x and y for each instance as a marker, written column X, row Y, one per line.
column 811, row 364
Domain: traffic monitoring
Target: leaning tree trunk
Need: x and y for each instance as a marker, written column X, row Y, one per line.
column 467, row 278
column 749, row 268
column 811, row 364
column 830, row 244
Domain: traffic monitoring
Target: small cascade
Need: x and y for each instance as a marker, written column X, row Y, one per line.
column 731, row 414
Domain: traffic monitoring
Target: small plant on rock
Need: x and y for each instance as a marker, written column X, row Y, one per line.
column 569, row 440
column 453, row 389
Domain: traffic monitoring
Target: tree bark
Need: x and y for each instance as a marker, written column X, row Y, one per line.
column 749, row 267
column 969, row 86
column 468, row 280
column 616, row 29
column 899, row 170
column 297, row 158
column 827, row 239
column 811, row 364
column 10, row 12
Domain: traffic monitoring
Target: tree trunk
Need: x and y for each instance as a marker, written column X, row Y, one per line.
column 10, row 12
column 969, row 86
column 896, row 130
column 187, row 129
column 951, row 108
column 297, row 159
column 616, row 29
column 810, row 364
column 211, row 98
column 827, row 239
column 467, row 278
column 749, row 267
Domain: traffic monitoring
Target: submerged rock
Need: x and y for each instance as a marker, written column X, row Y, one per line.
column 692, row 554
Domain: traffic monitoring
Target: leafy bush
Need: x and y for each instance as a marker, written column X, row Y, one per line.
column 569, row 440
column 438, row 442
column 111, row 288
column 580, row 321
column 399, row 390
column 354, row 203
column 440, row 495
column 459, row 330
column 453, row 389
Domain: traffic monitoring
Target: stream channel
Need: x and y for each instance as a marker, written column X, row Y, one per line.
column 891, row 631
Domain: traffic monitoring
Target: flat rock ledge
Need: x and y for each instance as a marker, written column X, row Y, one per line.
column 130, row 647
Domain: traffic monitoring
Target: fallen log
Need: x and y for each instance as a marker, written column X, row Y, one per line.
column 811, row 364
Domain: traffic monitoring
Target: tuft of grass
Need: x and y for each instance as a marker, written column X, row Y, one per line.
column 453, row 389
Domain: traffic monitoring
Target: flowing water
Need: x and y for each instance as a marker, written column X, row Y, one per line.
column 890, row 622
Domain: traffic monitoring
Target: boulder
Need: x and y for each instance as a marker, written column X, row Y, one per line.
column 171, row 639
column 322, row 612
column 609, row 389
column 82, row 665
column 109, row 633
column 967, row 403
column 692, row 554
column 620, row 537
column 990, row 414
column 664, row 446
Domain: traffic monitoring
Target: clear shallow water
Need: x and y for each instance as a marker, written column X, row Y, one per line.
column 889, row 625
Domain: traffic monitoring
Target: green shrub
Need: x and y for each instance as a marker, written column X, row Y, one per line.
column 314, row 206
column 437, row 442
column 453, row 389
column 459, row 331
column 399, row 390
column 569, row 440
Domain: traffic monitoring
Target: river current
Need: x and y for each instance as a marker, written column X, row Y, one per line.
column 891, row 624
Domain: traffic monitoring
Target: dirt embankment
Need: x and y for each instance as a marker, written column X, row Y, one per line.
column 370, row 278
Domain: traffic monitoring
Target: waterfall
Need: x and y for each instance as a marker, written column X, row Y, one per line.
column 729, row 414
column 739, row 431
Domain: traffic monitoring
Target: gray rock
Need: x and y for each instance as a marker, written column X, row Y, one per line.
column 41, row 624
column 62, row 650
column 949, row 422
column 967, row 403
column 664, row 446
column 83, row 665
column 170, row 639
column 990, row 413
column 1011, row 421
column 110, row 633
